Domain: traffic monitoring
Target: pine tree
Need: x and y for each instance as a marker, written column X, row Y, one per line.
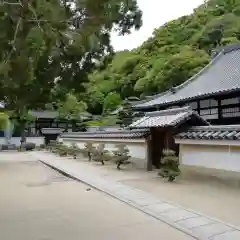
column 121, row 155
column 170, row 165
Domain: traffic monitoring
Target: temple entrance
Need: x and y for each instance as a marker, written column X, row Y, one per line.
column 163, row 126
column 161, row 138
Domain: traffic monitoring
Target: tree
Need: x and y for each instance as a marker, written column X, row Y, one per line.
column 170, row 166
column 51, row 46
column 125, row 114
column 111, row 101
column 180, row 67
column 72, row 110
column 172, row 54
column 3, row 121
column 121, row 155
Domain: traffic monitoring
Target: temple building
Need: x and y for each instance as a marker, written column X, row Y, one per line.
column 214, row 92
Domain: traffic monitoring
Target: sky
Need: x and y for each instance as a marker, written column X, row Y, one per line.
column 155, row 14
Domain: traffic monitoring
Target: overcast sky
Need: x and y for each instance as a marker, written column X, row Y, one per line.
column 155, row 14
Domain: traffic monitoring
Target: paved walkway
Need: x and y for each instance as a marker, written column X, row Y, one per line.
column 186, row 220
column 38, row 203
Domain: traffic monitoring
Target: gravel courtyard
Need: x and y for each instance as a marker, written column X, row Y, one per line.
column 37, row 203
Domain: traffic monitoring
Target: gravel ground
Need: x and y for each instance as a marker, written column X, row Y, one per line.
column 207, row 196
column 37, row 203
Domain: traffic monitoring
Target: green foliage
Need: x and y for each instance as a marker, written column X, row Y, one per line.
column 170, row 166
column 3, row 121
column 71, row 108
column 74, row 150
column 89, row 150
column 42, row 146
column 121, row 155
column 111, row 101
column 100, row 154
column 174, row 53
column 29, row 146
column 125, row 115
column 108, row 120
column 48, row 48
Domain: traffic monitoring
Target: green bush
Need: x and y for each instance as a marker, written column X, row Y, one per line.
column 170, row 165
column 99, row 154
column 29, row 146
column 42, row 146
column 88, row 150
column 74, row 150
column 121, row 155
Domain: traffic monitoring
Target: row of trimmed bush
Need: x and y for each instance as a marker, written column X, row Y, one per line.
column 94, row 153
column 169, row 163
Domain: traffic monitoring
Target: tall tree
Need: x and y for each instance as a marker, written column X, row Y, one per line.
column 173, row 53
column 126, row 114
column 54, row 44
column 72, row 110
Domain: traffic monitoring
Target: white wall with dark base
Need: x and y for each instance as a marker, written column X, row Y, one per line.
column 222, row 160
column 214, row 161
column 17, row 140
column 137, row 147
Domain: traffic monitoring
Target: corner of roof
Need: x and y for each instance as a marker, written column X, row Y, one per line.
column 230, row 48
column 207, row 124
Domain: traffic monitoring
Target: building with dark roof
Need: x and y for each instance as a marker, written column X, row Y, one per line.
column 164, row 125
column 211, row 152
column 49, row 119
column 169, row 118
column 214, row 92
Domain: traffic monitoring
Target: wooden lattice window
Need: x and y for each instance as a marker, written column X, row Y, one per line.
column 231, row 112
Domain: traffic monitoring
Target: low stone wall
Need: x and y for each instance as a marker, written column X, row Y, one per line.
column 137, row 147
column 211, row 162
column 16, row 140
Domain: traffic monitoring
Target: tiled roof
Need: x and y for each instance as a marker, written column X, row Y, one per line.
column 166, row 118
column 126, row 134
column 221, row 75
column 231, row 132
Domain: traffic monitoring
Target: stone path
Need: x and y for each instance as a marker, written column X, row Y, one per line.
column 188, row 221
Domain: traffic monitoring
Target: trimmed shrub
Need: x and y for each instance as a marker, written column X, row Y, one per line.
column 170, row 165
column 29, row 146
column 99, row 155
column 121, row 155
column 89, row 150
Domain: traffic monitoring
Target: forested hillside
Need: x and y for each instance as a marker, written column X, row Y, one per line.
column 175, row 52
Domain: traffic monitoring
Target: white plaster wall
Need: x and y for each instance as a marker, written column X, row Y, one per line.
column 218, row 157
column 16, row 140
column 137, row 150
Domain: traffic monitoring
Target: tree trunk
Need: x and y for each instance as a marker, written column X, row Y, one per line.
column 118, row 166
column 23, row 134
column 89, row 157
column 74, row 126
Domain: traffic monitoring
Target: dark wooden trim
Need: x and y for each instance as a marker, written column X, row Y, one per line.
column 219, row 110
column 149, row 153
column 198, row 107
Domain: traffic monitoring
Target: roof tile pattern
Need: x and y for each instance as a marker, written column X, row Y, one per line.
column 231, row 132
column 167, row 118
column 121, row 134
column 221, row 75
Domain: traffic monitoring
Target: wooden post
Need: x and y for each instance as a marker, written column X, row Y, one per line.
column 198, row 107
column 219, row 111
column 149, row 152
